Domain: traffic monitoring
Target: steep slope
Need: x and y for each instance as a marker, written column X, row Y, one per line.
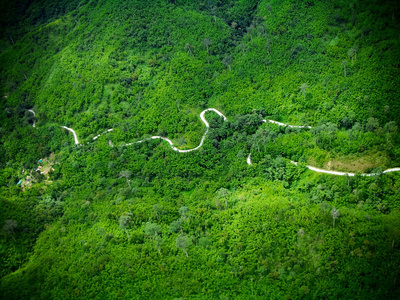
column 148, row 222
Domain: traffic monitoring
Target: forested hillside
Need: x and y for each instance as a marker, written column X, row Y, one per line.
column 121, row 214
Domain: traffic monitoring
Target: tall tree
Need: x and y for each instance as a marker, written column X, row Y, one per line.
column 352, row 53
column 391, row 129
column 344, row 63
column 158, row 210
column 152, row 229
column 303, row 89
column 124, row 224
column 183, row 242
column 267, row 63
column 184, row 212
column 207, row 42
column 158, row 239
column 9, row 227
column 176, row 226
column 267, row 46
column 335, row 214
column 242, row 47
column 126, row 174
column 223, row 193
column 331, row 128
column 372, row 124
column 250, row 30
column 228, row 61
column 188, row 48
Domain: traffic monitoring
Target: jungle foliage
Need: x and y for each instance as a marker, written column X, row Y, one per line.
column 103, row 220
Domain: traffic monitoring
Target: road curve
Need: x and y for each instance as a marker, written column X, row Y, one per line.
column 73, row 132
column 248, row 160
column 34, row 121
column 203, row 119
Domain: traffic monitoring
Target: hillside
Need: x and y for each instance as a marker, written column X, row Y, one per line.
column 99, row 98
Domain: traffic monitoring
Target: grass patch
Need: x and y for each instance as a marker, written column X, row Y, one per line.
column 353, row 163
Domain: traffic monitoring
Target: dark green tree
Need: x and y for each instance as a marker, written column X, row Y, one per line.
column 9, row 228
column 391, row 129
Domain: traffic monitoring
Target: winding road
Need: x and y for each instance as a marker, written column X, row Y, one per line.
column 248, row 160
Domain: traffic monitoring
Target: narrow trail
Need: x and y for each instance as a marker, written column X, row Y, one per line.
column 248, row 160
column 34, row 122
column 283, row 124
column 108, row 130
column 345, row 173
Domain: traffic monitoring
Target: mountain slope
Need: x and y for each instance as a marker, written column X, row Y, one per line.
column 107, row 220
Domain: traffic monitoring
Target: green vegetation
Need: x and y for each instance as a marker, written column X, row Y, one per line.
column 104, row 220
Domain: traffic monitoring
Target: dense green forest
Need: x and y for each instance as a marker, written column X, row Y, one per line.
column 105, row 220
